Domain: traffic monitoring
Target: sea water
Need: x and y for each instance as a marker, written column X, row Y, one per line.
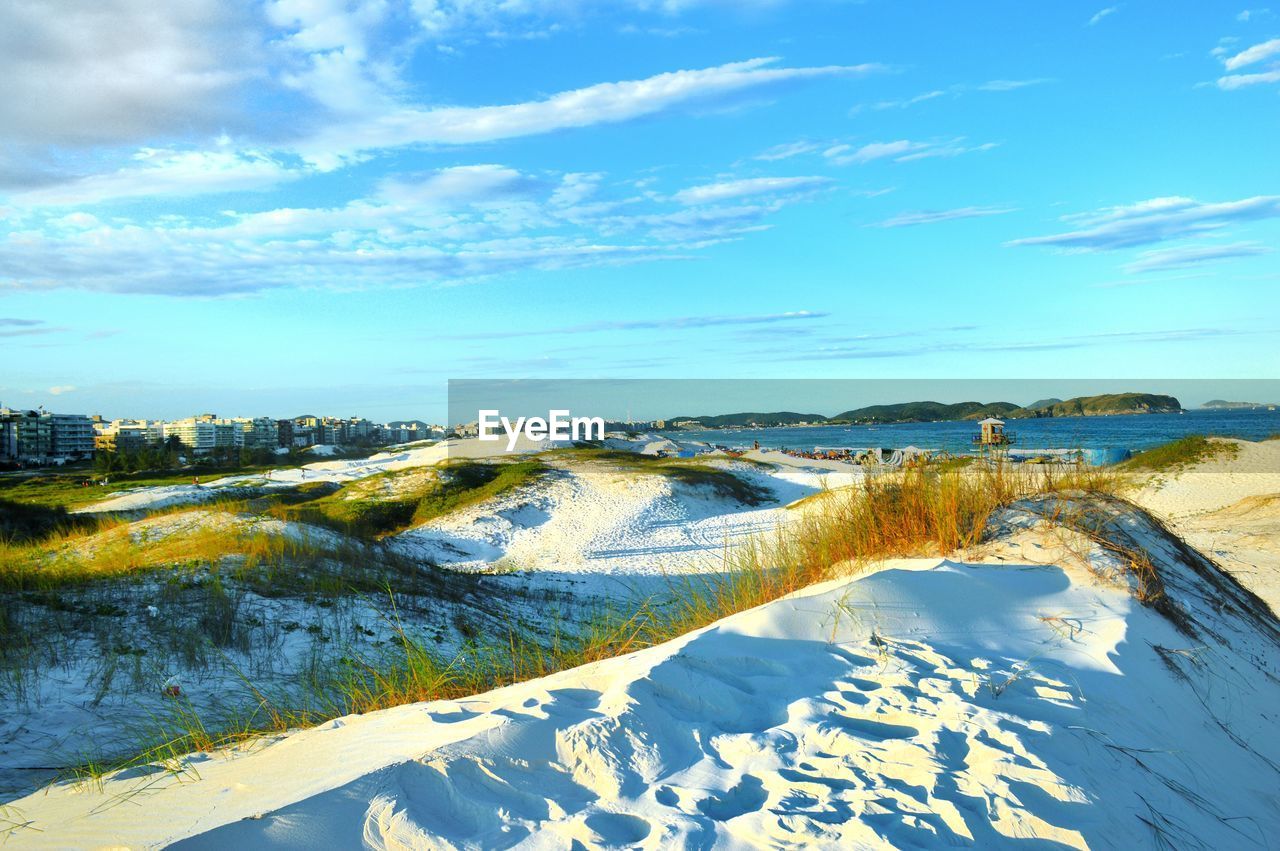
column 1134, row 432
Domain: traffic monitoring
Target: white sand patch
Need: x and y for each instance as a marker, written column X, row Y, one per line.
column 1230, row 510
column 594, row 518
column 931, row 703
column 342, row 471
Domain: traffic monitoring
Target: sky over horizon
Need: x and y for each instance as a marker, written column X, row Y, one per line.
column 312, row 205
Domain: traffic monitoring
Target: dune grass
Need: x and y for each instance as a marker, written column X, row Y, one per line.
column 67, row 490
column 358, row 509
column 916, row 512
column 114, row 551
column 923, row 511
column 688, row 471
column 1181, row 453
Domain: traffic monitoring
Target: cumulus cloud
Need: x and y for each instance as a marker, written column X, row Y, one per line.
column 1156, row 220
column 711, row 193
column 927, row 217
column 110, row 71
column 59, row 389
column 1183, row 257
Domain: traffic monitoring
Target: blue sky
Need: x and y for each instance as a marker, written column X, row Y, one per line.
column 325, row 206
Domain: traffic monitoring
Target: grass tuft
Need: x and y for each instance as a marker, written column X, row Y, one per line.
column 1184, row 452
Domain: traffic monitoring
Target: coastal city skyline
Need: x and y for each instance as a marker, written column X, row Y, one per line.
column 298, row 206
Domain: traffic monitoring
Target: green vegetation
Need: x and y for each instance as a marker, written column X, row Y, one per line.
column 68, row 490
column 914, row 412
column 777, row 418
column 914, row 512
column 365, row 510
column 1181, row 453
column 467, row 483
column 687, row 471
column 115, row 549
column 1108, row 403
column 20, row 521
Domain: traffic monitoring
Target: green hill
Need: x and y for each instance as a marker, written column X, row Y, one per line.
column 1223, row 405
column 922, row 412
column 1105, row 405
column 776, row 418
column 919, row 412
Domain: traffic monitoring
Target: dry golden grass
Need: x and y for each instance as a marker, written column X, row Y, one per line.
column 922, row 511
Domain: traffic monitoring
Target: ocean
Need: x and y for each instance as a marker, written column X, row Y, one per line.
column 1133, row 432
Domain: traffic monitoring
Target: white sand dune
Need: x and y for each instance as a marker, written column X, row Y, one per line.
column 931, row 703
column 594, row 518
column 342, row 471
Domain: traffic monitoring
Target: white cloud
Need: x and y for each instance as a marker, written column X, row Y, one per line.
column 1156, row 220
column 927, row 217
column 492, row 18
column 156, row 173
column 453, row 225
column 1183, row 257
column 451, row 188
column 603, row 103
column 1103, row 13
column 1239, row 81
column 1011, row 85
column 115, row 71
column 1257, row 53
column 59, row 389
column 846, row 154
column 902, row 150
column 1250, row 56
column 788, row 150
column 712, row 193
column 575, row 188
column 912, row 101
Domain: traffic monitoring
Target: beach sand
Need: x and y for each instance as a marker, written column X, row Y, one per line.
column 1229, row 509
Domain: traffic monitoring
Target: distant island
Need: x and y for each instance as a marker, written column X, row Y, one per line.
column 1107, row 404
column 1223, row 405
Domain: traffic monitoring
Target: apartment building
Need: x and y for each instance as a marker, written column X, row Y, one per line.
column 40, row 436
column 127, row 435
column 195, row 433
